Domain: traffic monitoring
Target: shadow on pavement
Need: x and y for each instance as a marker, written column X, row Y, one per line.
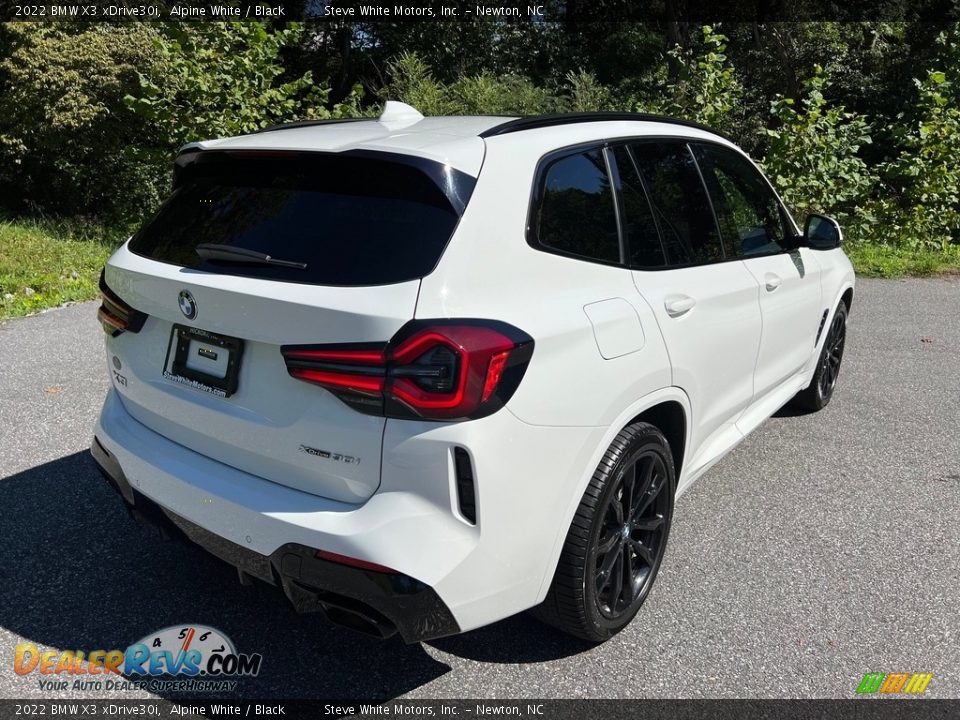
column 788, row 411
column 80, row 574
column 77, row 573
column 519, row 639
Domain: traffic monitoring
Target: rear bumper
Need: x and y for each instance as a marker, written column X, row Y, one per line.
column 374, row 602
column 527, row 481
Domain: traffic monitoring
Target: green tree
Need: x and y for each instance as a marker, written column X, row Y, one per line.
column 706, row 89
column 66, row 137
column 410, row 79
column 221, row 79
column 813, row 157
column 507, row 95
column 922, row 210
column 584, row 93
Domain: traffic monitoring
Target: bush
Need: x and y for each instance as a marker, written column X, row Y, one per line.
column 586, row 94
column 486, row 94
column 922, row 210
column 410, row 79
column 91, row 118
column 706, row 89
column 65, row 132
column 222, row 79
column 813, row 158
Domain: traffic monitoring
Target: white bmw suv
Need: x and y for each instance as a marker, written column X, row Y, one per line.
column 426, row 373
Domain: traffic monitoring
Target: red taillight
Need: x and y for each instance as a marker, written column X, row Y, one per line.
column 337, row 381
column 441, row 370
column 494, row 372
column 453, row 385
column 352, row 369
column 115, row 315
column 354, row 562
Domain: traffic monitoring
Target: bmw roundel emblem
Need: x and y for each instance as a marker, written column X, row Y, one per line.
column 188, row 306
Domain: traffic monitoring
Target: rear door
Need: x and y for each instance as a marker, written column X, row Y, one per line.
column 755, row 228
column 705, row 304
column 353, row 236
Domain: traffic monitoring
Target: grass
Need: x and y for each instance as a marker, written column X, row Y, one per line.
column 44, row 264
column 888, row 262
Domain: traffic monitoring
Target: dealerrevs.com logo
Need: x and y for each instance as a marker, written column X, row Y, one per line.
column 188, row 658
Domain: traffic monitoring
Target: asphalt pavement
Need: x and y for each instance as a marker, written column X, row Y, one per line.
column 824, row 547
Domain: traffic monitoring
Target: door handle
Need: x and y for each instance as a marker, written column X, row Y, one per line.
column 677, row 305
column 772, row 281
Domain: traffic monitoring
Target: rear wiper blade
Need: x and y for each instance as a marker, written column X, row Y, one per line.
column 213, row 251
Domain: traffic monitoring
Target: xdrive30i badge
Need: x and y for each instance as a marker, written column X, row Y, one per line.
column 188, row 306
column 327, row 455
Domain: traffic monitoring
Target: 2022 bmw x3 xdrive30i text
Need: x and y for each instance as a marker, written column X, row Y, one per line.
column 426, row 373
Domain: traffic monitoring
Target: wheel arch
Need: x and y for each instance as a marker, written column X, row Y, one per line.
column 670, row 418
column 847, row 298
column 670, row 406
column 842, row 294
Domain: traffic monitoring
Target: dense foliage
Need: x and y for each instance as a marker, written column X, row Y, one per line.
column 227, row 79
column 68, row 143
column 859, row 120
column 813, row 156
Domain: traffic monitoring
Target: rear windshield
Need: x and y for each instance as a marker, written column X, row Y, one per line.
column 352, row 220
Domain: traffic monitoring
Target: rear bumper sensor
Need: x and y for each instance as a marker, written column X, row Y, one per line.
column 375, row 603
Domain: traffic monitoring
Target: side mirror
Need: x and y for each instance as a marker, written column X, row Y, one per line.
column 822, row 233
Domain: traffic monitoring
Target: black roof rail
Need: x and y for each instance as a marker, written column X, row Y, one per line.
column 541, row 121
column 310, row 123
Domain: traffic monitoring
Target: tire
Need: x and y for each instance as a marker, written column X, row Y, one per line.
column 583, row 600
column 817, row 395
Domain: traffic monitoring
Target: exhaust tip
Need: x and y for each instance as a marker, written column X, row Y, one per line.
column 359, row 622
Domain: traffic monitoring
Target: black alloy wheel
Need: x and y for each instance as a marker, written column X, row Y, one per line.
column 632, row 536
column 617, row 539
column 816, row 396
column 833, row 354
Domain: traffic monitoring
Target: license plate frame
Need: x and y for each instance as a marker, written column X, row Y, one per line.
column 180, row 339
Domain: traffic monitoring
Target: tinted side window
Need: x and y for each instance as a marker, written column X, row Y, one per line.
column 575, row 212
column 680, row 203
column 748, row 211
column 639, row 228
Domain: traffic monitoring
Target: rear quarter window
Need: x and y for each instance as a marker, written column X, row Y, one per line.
column 352, row 220
column 573, row 207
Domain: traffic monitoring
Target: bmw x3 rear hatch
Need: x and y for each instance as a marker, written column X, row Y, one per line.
column 257, row 250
